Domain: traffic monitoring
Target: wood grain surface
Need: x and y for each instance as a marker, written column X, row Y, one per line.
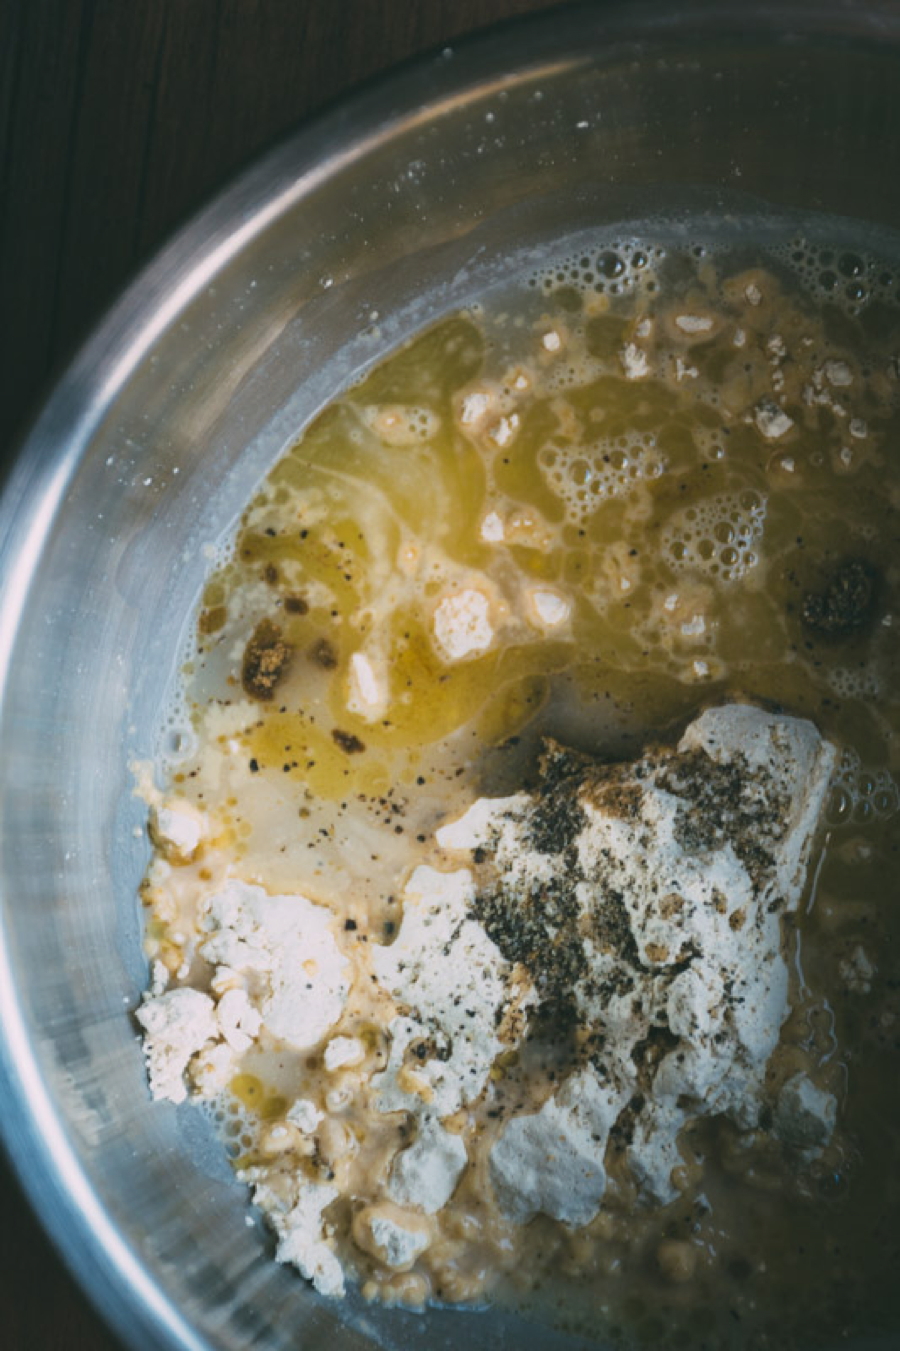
column 117, row 119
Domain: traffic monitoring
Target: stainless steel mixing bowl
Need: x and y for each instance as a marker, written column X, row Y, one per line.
column 358, row 230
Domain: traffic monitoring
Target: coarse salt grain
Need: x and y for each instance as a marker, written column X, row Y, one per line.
column 462, row 626
column 693, row 323
column 634, row 362
column 492, row 530
column 549, row 608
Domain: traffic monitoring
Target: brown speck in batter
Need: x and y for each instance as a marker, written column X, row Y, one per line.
column 266, row 660
column 347, row 741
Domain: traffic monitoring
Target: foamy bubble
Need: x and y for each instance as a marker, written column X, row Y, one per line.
column 577, row 370
column 719, row 536
column 398, row 424
column 859, row 682
column 846, row 277
column 611, row 268
column 710, row 441
column 235, row 1124
column 585, row 476
column 860, row 794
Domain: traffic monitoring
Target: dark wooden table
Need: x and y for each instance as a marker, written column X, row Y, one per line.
column 117, row 119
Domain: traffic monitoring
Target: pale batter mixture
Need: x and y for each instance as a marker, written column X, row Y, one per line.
column 521, row 904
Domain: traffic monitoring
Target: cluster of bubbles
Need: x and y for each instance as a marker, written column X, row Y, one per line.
column 718, row 536
column 584, row 477
column 843, row 277
column 710, row 440
column 847, row 277
column 860, row 795
column 861, row 682
column 614, row 268
column 576, row 372
column 399, row 424
column 235, row 1124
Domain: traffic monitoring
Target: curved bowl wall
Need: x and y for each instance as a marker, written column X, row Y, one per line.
column 391, row 209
